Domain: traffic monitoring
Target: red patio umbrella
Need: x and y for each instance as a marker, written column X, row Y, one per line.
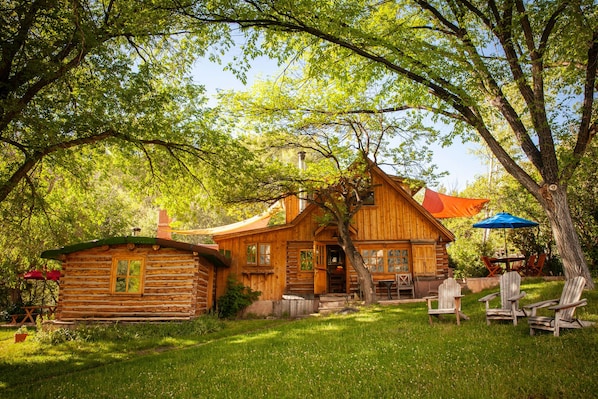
column 34, row 275
column 53, row 275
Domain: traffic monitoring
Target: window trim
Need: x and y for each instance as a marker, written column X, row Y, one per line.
column 114, row 276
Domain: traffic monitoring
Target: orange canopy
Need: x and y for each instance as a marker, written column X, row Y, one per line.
column 445, row 206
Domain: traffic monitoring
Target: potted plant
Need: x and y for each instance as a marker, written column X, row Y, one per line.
column 21, row 334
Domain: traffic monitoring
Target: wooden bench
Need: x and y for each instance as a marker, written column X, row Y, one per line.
column 15, row 317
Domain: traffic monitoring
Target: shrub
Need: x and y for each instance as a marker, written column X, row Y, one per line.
column 236, row 298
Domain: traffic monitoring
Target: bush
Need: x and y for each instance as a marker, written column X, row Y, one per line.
column 236, row 298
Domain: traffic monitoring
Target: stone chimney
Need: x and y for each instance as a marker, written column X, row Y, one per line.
column 164, row 225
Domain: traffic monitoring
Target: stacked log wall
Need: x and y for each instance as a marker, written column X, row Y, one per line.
column 175, row 286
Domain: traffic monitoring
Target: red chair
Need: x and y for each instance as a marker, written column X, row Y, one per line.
column 492, row 268
column 536, row 269
column 529, row 265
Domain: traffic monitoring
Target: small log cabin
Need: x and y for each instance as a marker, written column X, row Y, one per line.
column 393, row 232
column 136, row 279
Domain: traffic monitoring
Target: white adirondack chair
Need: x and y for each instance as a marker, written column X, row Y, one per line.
column 510, row 295
column 564, row 309
column 449, row 301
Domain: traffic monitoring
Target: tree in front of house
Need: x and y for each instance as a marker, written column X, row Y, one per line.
column 525, row 66
column 340, row 149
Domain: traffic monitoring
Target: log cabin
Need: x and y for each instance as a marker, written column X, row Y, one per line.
column 136, row 279
column 302, row 258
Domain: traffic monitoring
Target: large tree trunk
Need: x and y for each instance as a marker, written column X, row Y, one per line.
column 363, row 274
column 556, row 205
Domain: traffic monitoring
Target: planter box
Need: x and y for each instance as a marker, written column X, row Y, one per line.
column 20, row 337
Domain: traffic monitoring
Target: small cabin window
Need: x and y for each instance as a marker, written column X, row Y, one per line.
column 398, row 260
column 306, row 260
column 127, row 275
column 258, row 254
column 373, row 259
column 368, row 199
column 264, row 255
column 251, row 254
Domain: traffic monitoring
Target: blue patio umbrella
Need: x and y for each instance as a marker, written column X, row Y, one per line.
column 505, row 220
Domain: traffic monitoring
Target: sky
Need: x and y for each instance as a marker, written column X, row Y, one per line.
column 456, row 159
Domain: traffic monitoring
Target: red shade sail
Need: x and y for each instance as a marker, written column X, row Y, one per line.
column 443, row 206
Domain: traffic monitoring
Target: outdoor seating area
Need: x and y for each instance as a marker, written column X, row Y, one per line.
column 531, row 266
column 449, row 302
column 32, row 313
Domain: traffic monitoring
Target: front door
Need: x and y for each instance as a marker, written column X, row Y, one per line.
column 320, row 275
column 337, row 269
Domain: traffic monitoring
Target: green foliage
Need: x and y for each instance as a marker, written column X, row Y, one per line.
column 583, row 193
column 236, row 298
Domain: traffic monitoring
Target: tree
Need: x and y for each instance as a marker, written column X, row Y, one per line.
column 75, row 73
column 484, row 66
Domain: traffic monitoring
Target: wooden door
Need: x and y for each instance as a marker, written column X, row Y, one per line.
column 424, row 259
column 320, row 276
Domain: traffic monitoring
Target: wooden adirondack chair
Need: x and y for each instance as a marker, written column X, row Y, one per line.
column 536, row 269
column 510, row 295
column 449, row 301
column 564, row 309
column 404, row 283
column 492, row 268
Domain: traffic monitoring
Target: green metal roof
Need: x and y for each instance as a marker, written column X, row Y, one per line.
column 206, row 252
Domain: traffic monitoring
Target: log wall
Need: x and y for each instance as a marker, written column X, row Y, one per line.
column 176, row 285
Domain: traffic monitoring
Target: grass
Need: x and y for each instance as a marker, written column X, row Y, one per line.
column 380, row 351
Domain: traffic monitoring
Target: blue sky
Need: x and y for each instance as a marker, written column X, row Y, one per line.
column 456, row 159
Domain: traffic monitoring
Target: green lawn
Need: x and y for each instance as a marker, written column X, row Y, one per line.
column 379, row 352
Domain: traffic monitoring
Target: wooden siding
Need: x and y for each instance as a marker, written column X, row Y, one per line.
column 175, row 286
column 268, row 279
column 392, row 218
column 298, row 282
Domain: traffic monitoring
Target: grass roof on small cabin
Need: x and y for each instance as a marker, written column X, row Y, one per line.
column 213, row 255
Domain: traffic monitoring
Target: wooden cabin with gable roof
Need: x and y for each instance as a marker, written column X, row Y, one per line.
column 393, row 232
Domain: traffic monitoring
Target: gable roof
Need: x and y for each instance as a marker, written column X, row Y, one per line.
column 448, row 235
column 395, row 182
column 211, row 254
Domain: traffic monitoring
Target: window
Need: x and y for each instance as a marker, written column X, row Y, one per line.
column 306, row 260
column 251, row 254
column 386, row 260
column 369, row 198
column 264, row 254
column 127, row 275
column 398, row 260
column 258, row 254
column 373, row 259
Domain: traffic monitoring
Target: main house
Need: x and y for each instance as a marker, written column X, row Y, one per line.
column 393, row 232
